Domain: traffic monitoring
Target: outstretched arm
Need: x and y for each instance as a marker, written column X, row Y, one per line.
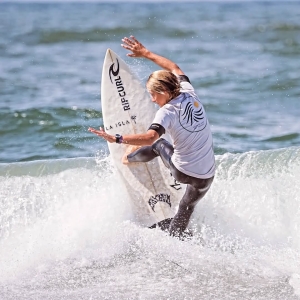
column 141, row 139
column 138, row 50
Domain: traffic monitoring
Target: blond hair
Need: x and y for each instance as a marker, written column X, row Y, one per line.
column 163, row 81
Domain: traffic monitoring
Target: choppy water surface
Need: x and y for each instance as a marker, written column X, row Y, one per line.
column 243, row 59
column 67, row 230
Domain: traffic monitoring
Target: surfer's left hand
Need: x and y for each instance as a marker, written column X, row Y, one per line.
column 133, row 45
column 103, row 134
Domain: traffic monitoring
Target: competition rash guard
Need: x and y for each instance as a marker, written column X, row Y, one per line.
column 184, row 118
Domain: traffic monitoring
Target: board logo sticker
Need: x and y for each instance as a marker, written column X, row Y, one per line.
column 191, row 116
column 117, row 81
column 133, row 118
column 159, row 197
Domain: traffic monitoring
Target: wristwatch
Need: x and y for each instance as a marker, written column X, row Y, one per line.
column 119, row 138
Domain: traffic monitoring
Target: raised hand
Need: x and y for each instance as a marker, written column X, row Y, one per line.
column 133, row 45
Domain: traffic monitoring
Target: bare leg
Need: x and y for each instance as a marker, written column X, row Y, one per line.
column 128, row 151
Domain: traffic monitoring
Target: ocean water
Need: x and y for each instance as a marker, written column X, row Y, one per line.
column 67, row 230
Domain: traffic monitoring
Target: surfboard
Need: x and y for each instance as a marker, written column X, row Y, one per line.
column 127, row 109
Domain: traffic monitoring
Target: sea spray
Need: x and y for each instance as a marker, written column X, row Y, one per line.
column 256, row 195
column 47, row 217
column 68, row 231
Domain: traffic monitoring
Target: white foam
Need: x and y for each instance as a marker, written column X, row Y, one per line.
column 51, row 217
column 70, row 234
column 294, row 281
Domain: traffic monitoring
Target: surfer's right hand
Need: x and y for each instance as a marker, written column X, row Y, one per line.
column 133, row 45
column 103, row 134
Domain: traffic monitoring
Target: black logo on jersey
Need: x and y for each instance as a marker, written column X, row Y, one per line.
column 192, row 117
column 159, row 197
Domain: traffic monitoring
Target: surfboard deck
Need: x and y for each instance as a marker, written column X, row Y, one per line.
column 128, row 109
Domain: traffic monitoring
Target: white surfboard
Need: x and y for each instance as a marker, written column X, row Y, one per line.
column 128, row 109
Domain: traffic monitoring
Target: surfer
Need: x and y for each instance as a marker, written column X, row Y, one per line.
column 181, row 114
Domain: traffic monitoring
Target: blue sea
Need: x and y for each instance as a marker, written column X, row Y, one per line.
column 67, row 230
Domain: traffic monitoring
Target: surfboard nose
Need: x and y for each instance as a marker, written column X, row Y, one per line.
column 110, row 54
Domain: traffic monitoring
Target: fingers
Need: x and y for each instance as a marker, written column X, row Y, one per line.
column 129, row 47
column 91, row 128
column 126, row 47
column 133, row 45
column 128, row 41
column 132, row 37
column 100, row 132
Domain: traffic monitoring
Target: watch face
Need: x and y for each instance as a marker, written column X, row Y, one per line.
column 118, row 136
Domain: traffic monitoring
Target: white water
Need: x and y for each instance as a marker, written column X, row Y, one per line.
column 67, row 232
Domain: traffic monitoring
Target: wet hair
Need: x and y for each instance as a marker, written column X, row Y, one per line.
column 164, row 81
